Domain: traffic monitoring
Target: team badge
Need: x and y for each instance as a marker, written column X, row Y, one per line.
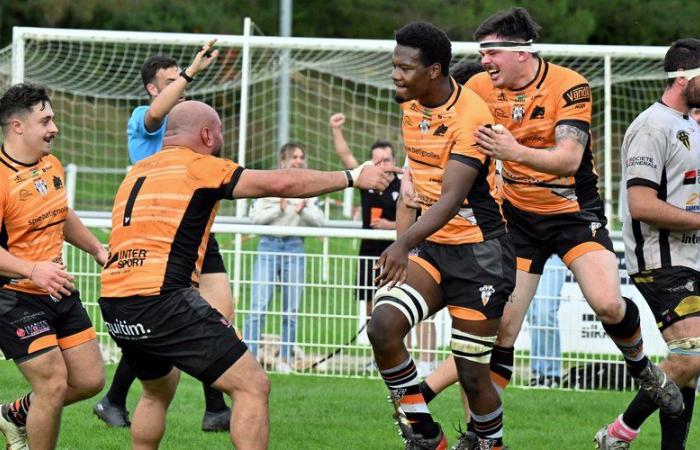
column 41, row 187
column 518, row 114
column 486, row 291
column 424, row 126
column 594, row 227
column 683, row 136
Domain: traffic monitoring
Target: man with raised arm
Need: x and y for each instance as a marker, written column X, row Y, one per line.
column 165, row 83
column 162, row 215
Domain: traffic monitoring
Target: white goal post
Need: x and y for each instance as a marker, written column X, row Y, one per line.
column 94, row 77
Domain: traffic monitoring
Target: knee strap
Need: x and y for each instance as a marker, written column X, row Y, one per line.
column 685, row 346
column 472, row 347
column 405, row 299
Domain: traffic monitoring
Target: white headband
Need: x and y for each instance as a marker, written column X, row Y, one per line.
column 687, row 74
column 509, row 46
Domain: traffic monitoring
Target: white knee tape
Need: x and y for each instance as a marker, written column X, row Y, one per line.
column 406, row 299
column 472, row 347
column 685, row 346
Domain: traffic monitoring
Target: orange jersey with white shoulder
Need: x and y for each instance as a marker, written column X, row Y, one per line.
column 33, row 210
column 556, row 96
column 162, row 215
column 433, row 136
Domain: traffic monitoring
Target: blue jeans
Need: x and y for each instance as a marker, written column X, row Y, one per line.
column 544, row 321
column 289, row 268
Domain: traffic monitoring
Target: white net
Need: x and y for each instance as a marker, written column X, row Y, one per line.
column 96, row 83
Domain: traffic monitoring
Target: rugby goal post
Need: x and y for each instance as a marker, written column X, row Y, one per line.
column 95, row 82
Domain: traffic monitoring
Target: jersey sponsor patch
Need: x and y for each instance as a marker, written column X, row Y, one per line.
column 581, row 93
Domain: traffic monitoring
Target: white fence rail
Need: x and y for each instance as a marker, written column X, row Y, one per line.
column 330, row 319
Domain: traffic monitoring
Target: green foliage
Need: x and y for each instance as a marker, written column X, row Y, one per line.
column 624, row 22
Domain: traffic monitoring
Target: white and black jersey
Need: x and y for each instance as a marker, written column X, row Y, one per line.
column 661, row 150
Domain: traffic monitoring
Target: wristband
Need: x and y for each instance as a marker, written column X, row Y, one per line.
column 354, row 174
column 348, row 175
column 184, row 75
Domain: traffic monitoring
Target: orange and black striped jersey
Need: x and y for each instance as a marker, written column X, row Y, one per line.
column 161, row 218
column 556, row 96
column 33, row 210
column 433, row 136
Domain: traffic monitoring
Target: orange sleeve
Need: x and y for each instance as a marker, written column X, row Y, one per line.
column 575, row 102
column 469, row 118
column 4, row 188
column 214, row 172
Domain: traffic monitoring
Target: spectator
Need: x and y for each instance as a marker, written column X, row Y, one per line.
column 378, row 208
column 545, row 349
column 280, row 257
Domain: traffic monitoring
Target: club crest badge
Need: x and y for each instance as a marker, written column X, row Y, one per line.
column 486, row 291
column 518, row 114
column 424, row 126
column 41, row 187
column 684, row 137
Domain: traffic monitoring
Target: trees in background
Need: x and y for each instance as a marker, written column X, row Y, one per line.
column 623, row 22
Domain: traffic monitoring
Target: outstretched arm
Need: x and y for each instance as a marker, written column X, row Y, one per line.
column 302, row 183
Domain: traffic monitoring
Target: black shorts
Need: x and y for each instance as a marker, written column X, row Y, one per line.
column 536, row 237
column 365, row 277
column 671, row 293
column 476, row 279
column 30, row 323
column 213, row 262
column 177, row 329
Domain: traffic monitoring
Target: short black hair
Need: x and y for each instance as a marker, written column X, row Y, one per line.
column 683, row 54
column 433, row 43
column 464, row 70
column 513, row 23
column 20, row 99
column 152, row 65
column 381, row 144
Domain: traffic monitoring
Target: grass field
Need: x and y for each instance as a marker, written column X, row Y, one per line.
column 336, row 413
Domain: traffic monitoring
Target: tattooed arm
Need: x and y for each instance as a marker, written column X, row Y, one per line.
column 562, row 159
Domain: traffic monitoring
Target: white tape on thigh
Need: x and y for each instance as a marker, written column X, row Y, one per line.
column 472, row 347
column 405, row 299
column 685, row 346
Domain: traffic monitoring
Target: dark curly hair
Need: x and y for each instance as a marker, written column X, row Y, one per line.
column 513, row 23
column 153, row 65
column 683, row 54
column 19, row 99
column 464, row 70
column 433, row 43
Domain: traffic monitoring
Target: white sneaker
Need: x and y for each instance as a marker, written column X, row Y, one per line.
column 282, row 367
column 16, row 436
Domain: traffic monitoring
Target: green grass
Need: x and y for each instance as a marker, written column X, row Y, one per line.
column 337, row 413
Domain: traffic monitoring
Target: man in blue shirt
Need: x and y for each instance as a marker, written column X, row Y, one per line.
column 165, row 82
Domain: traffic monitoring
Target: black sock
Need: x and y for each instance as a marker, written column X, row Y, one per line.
column 123, row 379
column 17, row 411
column 638, row 410
column 427, row 391
column 627, row 335
column 403, row 380
column 501, row 366
column 213, row 399
column 674, row 431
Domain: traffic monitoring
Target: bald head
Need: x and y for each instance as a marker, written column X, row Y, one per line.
column 195, row 125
